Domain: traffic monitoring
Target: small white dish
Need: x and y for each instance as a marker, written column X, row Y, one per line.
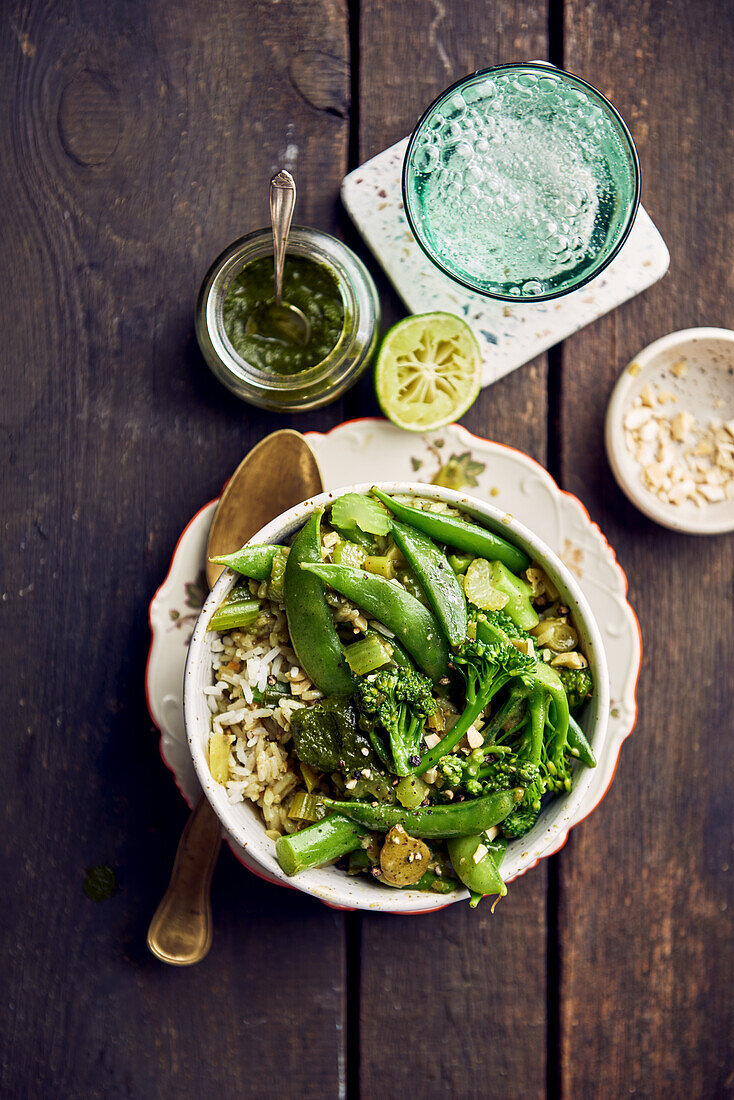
column 705, row 389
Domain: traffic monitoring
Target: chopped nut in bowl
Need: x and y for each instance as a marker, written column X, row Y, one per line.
column 670, row 431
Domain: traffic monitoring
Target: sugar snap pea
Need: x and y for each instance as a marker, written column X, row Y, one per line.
column 578, row 744
column 459, row 533
column 476, row 815
column 251, row 561
column 436, row 577
column 310, row 624
column 411, row 622
column 476, row 865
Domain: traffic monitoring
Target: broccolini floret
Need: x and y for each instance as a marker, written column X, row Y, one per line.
column 452, row 770
column 394, row 705
column 520, row 821
column 577, row 684
column 503, row 621
column 487, row 662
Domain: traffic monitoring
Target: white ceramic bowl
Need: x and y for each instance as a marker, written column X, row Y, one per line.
column 706, row 390
column 243, row 821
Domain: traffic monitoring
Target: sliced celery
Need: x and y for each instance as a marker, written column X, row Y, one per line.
column 479, row 588
column 310, row 776
column 319, row 843
column 411, row 790
column 367, row 654
column 348, row 553
column 460, row 562
column 363, row 512
column 381, row 564
column 306, row 807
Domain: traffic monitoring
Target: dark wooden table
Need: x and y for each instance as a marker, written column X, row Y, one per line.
column 137, row 141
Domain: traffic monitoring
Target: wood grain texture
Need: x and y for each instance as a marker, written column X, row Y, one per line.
column 646, row 884
column 438, row 991
column 138, row 141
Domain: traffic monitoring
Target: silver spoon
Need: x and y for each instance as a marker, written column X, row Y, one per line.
column 278, row 320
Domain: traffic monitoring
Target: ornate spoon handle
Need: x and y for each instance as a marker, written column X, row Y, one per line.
column 180, row 932
column 282, row 201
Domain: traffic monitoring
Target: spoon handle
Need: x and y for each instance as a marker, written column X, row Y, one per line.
column 180, row 932
column 282, row 201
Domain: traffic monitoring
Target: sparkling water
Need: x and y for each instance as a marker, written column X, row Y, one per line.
column 521, row 182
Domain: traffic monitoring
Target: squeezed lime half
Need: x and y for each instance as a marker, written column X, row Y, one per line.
column 428, row 371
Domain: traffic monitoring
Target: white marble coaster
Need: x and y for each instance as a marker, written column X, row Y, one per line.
column 509, row 334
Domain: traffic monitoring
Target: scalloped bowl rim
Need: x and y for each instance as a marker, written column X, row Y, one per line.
column 242, row 820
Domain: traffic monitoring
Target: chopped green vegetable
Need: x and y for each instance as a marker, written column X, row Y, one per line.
column 487, row 664
column 272, row 694
column 380, row 564
column 460, row 562
column 237, row 610
column 310, row 623
column 577, row 684
column 317, row 844
column 306, row 807
column 412, row 585
column 348, row 553
column 518, row 593
column 479, row 588
column 393, row 706
column 578, row 745
column 251, row 561
column 388, row 603
column 475, row 864
column 368, row 653
column 354, row 514
column 411, row 790
column 310, row 776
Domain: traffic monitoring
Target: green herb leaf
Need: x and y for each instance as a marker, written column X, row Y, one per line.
column 100, row 883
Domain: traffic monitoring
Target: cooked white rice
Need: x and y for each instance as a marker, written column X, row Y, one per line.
column 259, row 764
column 262, row 767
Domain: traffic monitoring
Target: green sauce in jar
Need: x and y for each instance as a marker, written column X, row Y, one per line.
column 307, row 285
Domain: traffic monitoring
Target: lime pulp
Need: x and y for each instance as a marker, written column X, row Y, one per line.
column 428, row 371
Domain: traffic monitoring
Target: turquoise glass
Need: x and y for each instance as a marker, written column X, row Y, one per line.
column 521, row 182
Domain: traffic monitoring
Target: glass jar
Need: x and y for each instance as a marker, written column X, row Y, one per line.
column 327, row 380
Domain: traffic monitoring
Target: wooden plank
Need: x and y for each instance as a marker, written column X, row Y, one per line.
column 437, row 993
column 645, row 899
column 137, row 143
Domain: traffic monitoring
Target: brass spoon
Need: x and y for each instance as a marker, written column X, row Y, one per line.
column 278, row 320
column 277, row 473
